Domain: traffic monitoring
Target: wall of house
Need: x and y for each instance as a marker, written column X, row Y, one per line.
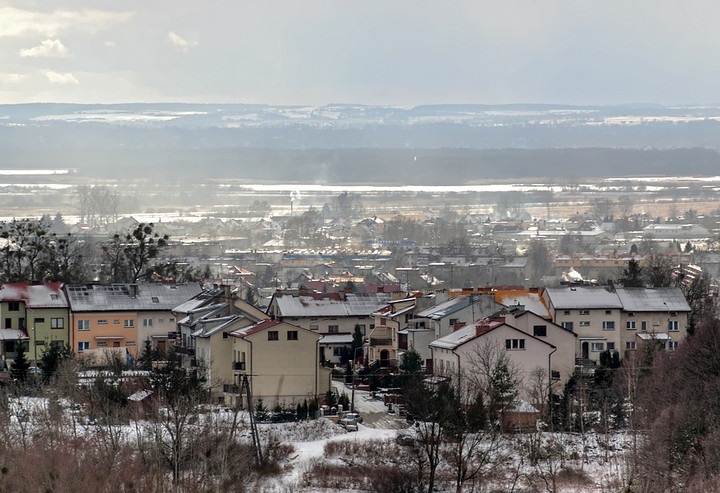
column 593, row 329
column 284, row 371
column 47, row 326
column 156, row 325
column 633, row 323
column 104, row 329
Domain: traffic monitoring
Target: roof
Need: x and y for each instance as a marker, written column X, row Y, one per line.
column 454, row 304
column 386, row 312
column 355, row 304
column 583, row 298
column 466, row 334
column 653, row 300
column 12, row 335
column 653, row 335
column 258, row 327
column 130, row 297
column 47, row 295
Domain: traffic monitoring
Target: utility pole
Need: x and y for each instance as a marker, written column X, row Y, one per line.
column 354, row 374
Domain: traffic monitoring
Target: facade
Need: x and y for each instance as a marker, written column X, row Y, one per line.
column 281, row 362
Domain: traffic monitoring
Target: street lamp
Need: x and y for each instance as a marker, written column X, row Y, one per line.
column 352, row 402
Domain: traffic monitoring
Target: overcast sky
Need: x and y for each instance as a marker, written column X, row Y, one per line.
column 371, row 51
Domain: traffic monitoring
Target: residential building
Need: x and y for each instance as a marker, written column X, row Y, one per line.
column 34, row 313
column 281, row 362
column 109, row 315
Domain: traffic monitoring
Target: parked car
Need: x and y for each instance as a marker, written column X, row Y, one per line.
column 353, row 416
column 350, row 421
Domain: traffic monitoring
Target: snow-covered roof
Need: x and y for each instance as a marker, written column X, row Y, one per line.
column 653, row 335
column 653, row 300
column 583, row 298
column 465, row 334
column 134, row 297
column 530, row 300
column 438, row 312
column 47, row 295
column 355, row 304
column 12, row 335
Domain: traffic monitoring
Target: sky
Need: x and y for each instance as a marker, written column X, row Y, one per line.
column 376, row 52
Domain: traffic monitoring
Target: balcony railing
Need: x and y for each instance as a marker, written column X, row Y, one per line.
column 376, row 341
column 238, row 366
column 185, row 350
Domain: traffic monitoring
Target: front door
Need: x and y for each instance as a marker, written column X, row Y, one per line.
column 384, row 358
column 585, row 350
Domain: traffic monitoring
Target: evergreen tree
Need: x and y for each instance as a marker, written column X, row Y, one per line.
column 21, row 364
column 632, row 275
column 51, row 359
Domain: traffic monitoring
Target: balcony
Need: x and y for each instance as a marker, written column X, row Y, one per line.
column 185, row 350
column 376, row 341
column 238, row 366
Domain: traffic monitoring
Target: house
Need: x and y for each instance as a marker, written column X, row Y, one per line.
column 110, row 315
column 34, row 313
column 281, row 362
column 461, row 355
column 606, row 319
column 382, row 346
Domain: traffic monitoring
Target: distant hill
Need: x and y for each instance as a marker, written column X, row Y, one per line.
column 438, row 144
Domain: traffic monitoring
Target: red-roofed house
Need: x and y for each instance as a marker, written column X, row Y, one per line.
column 281, row 361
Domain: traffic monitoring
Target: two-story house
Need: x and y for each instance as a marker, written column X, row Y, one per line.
column 281, row 362
column 109, row 315
column 35, row 315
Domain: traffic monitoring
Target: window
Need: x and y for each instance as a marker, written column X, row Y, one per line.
column 611, row 346
column 292, row 335
column 147, row 322
column 673, row 325
column 129, row 323
column 362, row 328
column 608, row 312
column 103, row 321
column 155, row 299
column 8, row 323
column 83, row 345
column 57, row 323
column 453, row 321
column 225, row 335
column 38, row 321
column 630, row 325
column 129, row 343
column 631, row 314
column 313, row 327
column 171, row 320
column 672, row 345
column 630, row 345
column 515, row 344
column 566, row 312
column 643, row 325
column 584, row 312
column 101, row 343
column 609, row 325
column 336, row 351
column 597, row 347
column 540, row 331
column 584, row 323
column 161, row 320
column 116, row 321
column 273, row 335
column 57, row 344
column 54, row 297
column 14, row 306
column 333, row 329
column 40, row 343
column 83, row 324
column 567, row 325
column 673, row 314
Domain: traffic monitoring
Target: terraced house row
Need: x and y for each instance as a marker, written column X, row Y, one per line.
column 88, row 317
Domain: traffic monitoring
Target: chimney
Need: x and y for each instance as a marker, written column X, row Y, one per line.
column 133, row 290
column 458, row 326
column 380, row 289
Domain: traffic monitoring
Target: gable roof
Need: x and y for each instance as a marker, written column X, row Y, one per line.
column 475, row 330
column 129, row 297
column 355, row 304
column 47, row 295
column 442, row 310
column 583, row 298
column 653, row 300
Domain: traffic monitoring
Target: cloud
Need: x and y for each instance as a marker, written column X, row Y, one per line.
column 48, row 48
column 110, row 44
column 57, row 78
column 11, row 78
column 19, row 22
column 179, row 42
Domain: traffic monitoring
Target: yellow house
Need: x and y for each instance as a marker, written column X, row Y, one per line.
column 281, row 361
column 34, row 313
